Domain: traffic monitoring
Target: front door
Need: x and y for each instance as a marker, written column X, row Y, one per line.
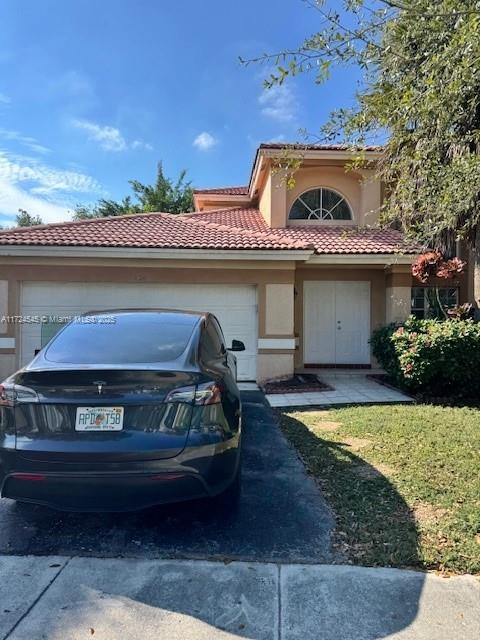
column 336, row 323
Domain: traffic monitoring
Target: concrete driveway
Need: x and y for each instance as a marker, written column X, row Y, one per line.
column 281, row 517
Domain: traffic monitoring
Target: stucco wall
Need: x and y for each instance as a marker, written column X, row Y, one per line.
column 360, row 189
column 398, row 303
column 272, row 201
column 279, row 309
column 347, row 184
column 7, row 330
column 279, row 294
column 274, row 366
column 3, row 304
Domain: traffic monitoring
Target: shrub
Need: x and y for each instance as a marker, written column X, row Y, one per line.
column 383, row 348
column 431, row 356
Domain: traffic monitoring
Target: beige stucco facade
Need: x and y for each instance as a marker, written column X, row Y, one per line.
column 279, row 287
column 360, row 189
column 273, row 282
column 278, row 280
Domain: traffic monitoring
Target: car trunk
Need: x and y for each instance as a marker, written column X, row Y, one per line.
column 156, row 408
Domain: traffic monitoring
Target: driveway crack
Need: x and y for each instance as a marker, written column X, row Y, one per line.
column 37, row 599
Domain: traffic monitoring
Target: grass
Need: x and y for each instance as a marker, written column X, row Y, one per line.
column 403, row 481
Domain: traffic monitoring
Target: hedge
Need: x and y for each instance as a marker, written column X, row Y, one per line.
column 431, row 356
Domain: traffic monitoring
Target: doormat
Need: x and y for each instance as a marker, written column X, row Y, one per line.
column 298, row 383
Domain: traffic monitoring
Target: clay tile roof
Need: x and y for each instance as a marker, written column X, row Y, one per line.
column 152, row 230
column 226, row 191
column 317, row 147
column 227, row 229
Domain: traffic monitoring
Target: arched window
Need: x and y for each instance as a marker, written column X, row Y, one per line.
column 320, row 204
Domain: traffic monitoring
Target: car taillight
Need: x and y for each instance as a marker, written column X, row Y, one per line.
column 209, row 424
column 203, row 394
column 210, row 393
column 182, row 394
column 10, row 395
column 7, row 395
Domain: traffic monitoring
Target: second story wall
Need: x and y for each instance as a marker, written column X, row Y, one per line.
column 359, row 188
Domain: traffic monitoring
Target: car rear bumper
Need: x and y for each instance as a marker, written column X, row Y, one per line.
column 196, row 473
column 106, row 492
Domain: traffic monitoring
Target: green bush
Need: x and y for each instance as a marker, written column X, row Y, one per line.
column 431, row 356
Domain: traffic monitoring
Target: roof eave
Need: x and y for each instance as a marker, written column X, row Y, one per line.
column 386, row 259
column 312, row 154
column 218, row 198
column 154, row 253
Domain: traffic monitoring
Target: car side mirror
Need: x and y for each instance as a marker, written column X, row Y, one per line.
column 237, row 345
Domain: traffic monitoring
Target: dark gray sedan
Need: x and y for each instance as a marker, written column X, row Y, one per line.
column 124, row 410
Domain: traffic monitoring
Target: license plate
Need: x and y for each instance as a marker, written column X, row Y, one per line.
column 99, row 419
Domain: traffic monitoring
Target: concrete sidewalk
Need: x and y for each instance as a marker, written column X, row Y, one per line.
column 59, row 598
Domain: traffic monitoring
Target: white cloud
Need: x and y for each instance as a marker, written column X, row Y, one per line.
column 4, row 99
column 109, row 138
column 26, row 141
column 13, row 198
column 205, row 141
column 279, row 103
column 26, row 183
column 140, row 144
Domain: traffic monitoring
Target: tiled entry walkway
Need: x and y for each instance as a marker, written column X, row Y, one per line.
column 348, row 388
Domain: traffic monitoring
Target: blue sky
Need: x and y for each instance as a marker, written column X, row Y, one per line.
column 95, row 93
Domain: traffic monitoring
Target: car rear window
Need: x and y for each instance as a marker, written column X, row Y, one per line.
column 125, row 338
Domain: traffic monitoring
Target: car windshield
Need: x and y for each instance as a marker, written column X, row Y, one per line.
column 124, row 338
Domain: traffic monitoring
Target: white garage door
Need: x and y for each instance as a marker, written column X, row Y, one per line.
column 234, row 306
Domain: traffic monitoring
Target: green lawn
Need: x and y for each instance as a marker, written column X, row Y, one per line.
column 403, row 481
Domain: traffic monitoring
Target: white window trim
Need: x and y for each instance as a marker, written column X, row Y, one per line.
column 426, row 301
column 318, row 221
column 321, row 223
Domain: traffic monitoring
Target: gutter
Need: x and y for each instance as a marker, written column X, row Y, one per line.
column 384, row 259
column 152, row 253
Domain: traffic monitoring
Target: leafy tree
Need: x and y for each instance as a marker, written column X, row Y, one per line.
column 105, row 208
column 25, row 219
column 164, row 195
column 420, row 90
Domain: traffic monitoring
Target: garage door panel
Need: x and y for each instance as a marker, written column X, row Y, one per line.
column 234, row 306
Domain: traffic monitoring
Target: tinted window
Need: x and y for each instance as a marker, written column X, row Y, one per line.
column 130, row 338
column 220, row 335
column 212, row 342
